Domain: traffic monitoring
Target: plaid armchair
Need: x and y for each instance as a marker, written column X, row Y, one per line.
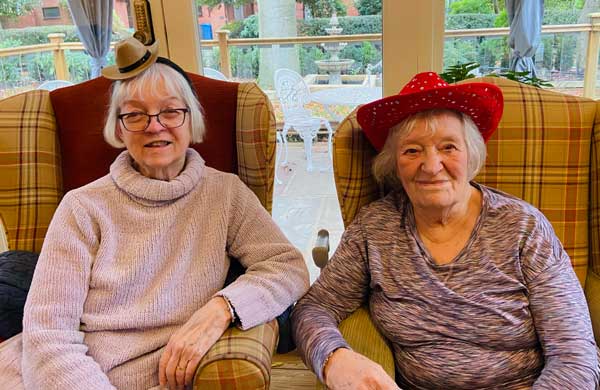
column 52, row 142
column 545, row 152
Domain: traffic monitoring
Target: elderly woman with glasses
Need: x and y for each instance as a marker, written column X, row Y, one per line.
column 470, row 285
column 129, row 290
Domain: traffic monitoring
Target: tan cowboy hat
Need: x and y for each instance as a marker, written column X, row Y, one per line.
column 132, row 58
column 483, row 102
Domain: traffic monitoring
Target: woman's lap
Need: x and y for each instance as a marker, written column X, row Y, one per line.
column 10, row 363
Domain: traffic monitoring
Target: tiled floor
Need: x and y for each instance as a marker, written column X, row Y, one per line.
column 305, row 202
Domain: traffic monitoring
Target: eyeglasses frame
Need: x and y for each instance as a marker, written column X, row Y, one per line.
column 150, row 116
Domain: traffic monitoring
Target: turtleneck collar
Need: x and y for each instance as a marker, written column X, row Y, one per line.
column 152, row 192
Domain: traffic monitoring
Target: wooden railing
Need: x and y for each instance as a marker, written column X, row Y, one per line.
column 58, row 46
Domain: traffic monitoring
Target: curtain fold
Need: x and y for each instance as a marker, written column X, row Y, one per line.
column 525, row 21
column 93, row 19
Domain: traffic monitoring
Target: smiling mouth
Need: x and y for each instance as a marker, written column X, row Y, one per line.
column 157, row 144
column 431, row 182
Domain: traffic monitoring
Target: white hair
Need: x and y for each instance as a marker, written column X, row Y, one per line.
column 148, row 82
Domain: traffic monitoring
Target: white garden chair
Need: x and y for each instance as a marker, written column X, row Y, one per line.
column 51, row 85
column 293, row 95
column 214, row 74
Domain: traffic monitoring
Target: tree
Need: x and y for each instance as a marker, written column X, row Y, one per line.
column 368, row 7
column 324, row 8
column 471, row 7
column 14, row 8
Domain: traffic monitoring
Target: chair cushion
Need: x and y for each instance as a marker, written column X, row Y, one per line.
column 30, row 188
column 81, row 110
column 239, row 360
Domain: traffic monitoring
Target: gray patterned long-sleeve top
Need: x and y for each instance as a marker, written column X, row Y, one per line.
column 508, row 312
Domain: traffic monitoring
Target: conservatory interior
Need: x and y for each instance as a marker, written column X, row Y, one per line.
column 295, row 95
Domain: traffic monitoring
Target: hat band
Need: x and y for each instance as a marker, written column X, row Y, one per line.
column 136, row 64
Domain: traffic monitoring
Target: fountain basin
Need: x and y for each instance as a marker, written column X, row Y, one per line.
column 334, row 65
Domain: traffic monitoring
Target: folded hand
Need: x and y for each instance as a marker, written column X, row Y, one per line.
column 189, row 344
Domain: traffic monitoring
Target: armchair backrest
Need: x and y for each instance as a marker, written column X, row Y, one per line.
column 545, row 152
column 52, row 143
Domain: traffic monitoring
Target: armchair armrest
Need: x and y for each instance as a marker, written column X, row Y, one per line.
column 358, row 329
column 320, row 252
column 239, row 359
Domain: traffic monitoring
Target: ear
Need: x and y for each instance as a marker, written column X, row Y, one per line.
column 119, row 133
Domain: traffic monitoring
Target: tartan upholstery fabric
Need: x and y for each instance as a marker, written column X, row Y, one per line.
column 352, row 155
column 239, row 360
column 594, row 211
column 30, row 185
column 255, row 138
column 540, row 153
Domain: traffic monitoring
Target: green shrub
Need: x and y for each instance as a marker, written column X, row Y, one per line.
column 561, row 16
column 322, row 8
column 471, row 7
column 234, row 28
column 39, row 35
column 308, row 56
column 469, row 21
column 351, row 25
column 10, row 70
column 362, row 53
column 40, row 66
column 244, row 62
column 368, row 7
column 250, row 27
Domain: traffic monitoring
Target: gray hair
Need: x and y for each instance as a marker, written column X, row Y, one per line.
column 384, row 165
column 155, row 75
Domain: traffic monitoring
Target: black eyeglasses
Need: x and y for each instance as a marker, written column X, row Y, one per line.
column 136, row 121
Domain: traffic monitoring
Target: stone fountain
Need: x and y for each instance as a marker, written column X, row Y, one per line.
column 334, row 65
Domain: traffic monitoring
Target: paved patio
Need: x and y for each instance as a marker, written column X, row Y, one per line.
column 305, row 202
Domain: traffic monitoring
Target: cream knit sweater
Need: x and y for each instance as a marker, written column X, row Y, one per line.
column 127, row 260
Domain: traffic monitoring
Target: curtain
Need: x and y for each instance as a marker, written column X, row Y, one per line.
column 93, row 19
column 525, row 21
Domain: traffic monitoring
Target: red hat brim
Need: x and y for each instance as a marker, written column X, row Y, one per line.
column 483, row 102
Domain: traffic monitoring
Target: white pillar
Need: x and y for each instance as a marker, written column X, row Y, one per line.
column 413, row 40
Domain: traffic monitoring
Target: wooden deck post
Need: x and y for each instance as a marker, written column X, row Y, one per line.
column 591, row 61
column 223, row 36
column 60, row 64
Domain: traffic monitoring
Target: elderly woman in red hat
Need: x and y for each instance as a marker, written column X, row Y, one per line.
column 128, row 292
column 470, row 285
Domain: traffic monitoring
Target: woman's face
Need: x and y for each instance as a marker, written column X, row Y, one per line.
column 432, row 167
column 158, row 152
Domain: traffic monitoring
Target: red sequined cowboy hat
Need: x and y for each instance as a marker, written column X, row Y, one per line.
column 483, row 102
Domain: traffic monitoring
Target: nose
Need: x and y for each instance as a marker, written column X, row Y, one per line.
column 154, row 126
column 432, row 162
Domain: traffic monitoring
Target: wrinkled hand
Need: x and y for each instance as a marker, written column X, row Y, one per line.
column 189, row 344
column 347, row 369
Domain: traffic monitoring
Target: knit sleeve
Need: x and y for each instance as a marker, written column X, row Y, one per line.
column 276, row 275
column 341, row 289
column 54, row 352
column 560, row 313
